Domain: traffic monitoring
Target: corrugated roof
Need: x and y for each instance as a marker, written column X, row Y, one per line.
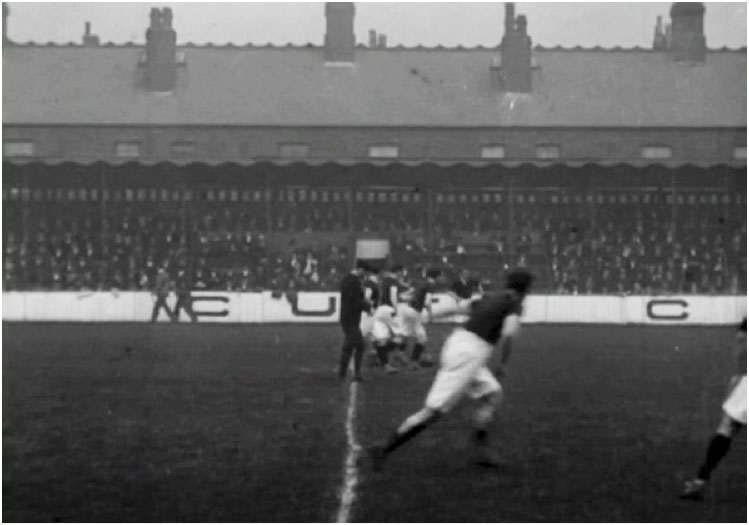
column 291, row 86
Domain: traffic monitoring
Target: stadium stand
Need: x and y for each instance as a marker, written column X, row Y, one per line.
column 579, row 241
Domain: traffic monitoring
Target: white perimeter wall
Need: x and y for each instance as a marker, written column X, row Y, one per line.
column 323, row 307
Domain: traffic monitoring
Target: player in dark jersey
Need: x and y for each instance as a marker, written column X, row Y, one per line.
column 372, row 289
column 372, row 295
column 462, row 288
column 388, row 330
column 733, row 420
column 412, row 317
column 352, row 306
column 463, row 367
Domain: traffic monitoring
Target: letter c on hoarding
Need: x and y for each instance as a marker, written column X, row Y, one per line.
column 675, row 309
column 210, row 298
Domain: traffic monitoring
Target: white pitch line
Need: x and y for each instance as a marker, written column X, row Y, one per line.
column 350, row 470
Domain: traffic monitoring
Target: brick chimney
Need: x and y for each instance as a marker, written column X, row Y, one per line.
column 688, row 32
column 340, row 43
column 515, row 69
column 6, row 12
column 88, row 38
column 161, row 52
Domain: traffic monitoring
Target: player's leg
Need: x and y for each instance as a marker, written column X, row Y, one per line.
column 166, row 308
column 420, row 337
column 177, row 309
column 358, row 345
column 457, row 368
column 734, row 418
column 488, row 393
column 717, row 448
column 346, row 351
column 157, row 307
column 399, row 328
column 155, row 310
column 382, row 337
column 189, row 310
column 410, row 428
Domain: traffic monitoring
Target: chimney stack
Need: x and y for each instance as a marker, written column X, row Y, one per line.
column 88, row 38
column 509, row 17
column 6, row 12
column 688, row 32
column 659, row 36
column 340, row 43
column 161, row 51
column 372, row 38
column 515, row 72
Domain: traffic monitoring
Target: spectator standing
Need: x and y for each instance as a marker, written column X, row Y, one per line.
column 184, row 297
column 161, row 292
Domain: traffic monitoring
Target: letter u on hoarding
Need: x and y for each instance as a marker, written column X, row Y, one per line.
column 314, row 313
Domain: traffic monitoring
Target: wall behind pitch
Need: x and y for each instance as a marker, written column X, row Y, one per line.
column 324, row 307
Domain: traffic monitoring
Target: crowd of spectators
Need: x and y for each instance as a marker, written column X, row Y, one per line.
column 621, row 243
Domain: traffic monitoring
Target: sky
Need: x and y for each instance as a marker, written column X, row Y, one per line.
column 410, row 24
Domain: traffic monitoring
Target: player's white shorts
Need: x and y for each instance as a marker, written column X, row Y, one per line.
column 366, row 324
column 412, row 324
column 384, row 323
column 735, row 404
column 462, row 371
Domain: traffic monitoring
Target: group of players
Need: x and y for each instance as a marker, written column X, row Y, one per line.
column 467, row 365
column 384, row 308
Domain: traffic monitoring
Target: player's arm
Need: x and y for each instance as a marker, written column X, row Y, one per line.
column 428, row 305
column 453, row 292
column 459, row 309
column 510, row 330
column 393, row 292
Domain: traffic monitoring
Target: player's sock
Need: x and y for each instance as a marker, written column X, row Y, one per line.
column 383, row 351
column 416, row 353
column 718, row 448
column 408, row 430
column 358, row 357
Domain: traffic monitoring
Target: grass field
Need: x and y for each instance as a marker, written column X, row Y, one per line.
column 247, row 423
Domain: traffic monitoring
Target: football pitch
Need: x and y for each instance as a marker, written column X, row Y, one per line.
column 139, row 422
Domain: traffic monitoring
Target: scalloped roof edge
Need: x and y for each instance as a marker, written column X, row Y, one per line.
column 400, row 47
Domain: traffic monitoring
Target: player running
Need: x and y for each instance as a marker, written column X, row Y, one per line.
column 353, row 304
column 463, row 369
column 734, row 418
column 413, row 324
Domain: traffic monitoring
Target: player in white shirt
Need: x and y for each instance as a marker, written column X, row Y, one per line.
column 733, row 420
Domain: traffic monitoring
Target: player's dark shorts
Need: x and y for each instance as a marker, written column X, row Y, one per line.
column 352, row 336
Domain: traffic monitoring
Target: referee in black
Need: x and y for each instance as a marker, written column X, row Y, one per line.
column 353, row 304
